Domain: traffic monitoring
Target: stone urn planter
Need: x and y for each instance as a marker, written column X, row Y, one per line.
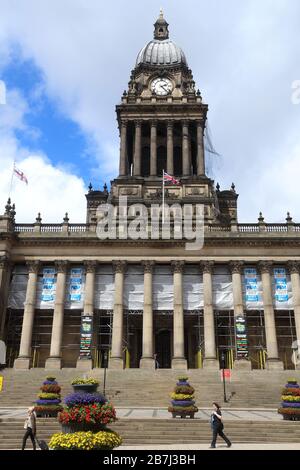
column 89, row 388
column 79, row 427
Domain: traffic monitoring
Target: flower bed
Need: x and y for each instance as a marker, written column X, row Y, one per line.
column 95, row 413
column 103, row 440
column 88, row 381
column 183, row 403
column 290, row 405
column 83, row 398
column 48, row 403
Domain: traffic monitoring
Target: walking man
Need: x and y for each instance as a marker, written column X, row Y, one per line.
column 30, row 428
column 217, row 426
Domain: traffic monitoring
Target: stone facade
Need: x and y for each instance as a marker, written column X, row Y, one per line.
column 161, row 121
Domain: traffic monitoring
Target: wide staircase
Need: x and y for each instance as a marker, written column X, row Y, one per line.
column 137, row 432
column 145, row 388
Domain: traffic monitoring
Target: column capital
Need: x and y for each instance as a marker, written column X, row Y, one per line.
column 148, row 266
column 119, row 266
column 138, row 122
column 207, row 266
column 90, row 266
column 61, row 266
column 124, row 122
column 177, row 266
column 199, row 123
column 33, row 266
column 236, row 267
column 170, row 124
column 293, row 266
column 185, row 123
column 153, row 122
column 265, row 266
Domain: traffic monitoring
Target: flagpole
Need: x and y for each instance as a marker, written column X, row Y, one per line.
column 163, row 198
column 11, row 180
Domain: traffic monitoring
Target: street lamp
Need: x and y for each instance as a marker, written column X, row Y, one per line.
column 223, row 374
column 105, row 357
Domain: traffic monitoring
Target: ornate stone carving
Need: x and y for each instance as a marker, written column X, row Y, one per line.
column 236, row 266
column 61, row 266
column 148, row 266
column 294, row 267
column 90, row 266
column 119, row 266
column 265, row 266
column 33, row 266
column 177, row 266
column 4, row 261
column 207, row 266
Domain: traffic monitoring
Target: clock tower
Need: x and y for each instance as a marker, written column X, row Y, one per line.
column 161, row 121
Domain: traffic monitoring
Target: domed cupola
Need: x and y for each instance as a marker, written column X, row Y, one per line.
column 161, row 51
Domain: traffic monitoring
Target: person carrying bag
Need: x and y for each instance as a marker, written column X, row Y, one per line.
column 217, row 426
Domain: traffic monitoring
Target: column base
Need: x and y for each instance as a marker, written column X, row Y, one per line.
column 211, row 363
column 53, row 363
column 274, row 364
column 242, row 364
column 147, row 363
column 115, row 363
column 22, row 363
column 84, row 364
column 179, row 363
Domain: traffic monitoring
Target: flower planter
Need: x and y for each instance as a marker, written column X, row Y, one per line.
column 70, row 428
column 89, row 388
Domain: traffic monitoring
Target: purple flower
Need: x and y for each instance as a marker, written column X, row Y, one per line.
column 47, row 402
column 84, row 398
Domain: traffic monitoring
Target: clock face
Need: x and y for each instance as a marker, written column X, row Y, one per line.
column 161, row 86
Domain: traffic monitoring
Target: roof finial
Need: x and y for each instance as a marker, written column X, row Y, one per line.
column 161, row 13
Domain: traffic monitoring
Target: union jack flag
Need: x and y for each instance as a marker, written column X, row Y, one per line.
column 20, row 175
column 170, row 178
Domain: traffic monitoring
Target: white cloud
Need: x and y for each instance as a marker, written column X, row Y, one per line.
column 51, row 190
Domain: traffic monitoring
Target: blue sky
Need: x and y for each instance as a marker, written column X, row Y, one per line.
column 65, row 64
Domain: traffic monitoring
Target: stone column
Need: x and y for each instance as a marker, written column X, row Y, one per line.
column 170, row 148
column 23, row 361
column 55, row 359
column 210, row 355
column 116, row 359
column 147, row 360
column 123, row 149
column 5, row 269
column 273, row 362
column 238, row 304
column 200, row 150
column 137, row 149
column 186, row 166
column 153, row 149
column 294, row 268
column 88, row 306
column 178, row 360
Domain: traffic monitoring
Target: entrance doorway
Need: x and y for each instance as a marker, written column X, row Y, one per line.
column 163, row 348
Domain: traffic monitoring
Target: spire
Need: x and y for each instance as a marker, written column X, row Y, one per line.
column 161, row 31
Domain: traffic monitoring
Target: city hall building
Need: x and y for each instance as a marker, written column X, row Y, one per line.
column 68, row 296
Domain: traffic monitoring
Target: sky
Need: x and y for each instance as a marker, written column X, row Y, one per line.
column 65, row 63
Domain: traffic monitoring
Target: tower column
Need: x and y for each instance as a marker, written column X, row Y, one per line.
column 153, row 149
column 294, row 268
column 238, row 304
column 123, row 149
column 137, row 148
column 116, row 359
column 23, row 361
column 88, row 306
column 178, row 360
column 186, row 166
column 170, row 148
column 55, row 359
column 147, row 360
column 210, row 354
column 273, row 362
column 200, row 150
